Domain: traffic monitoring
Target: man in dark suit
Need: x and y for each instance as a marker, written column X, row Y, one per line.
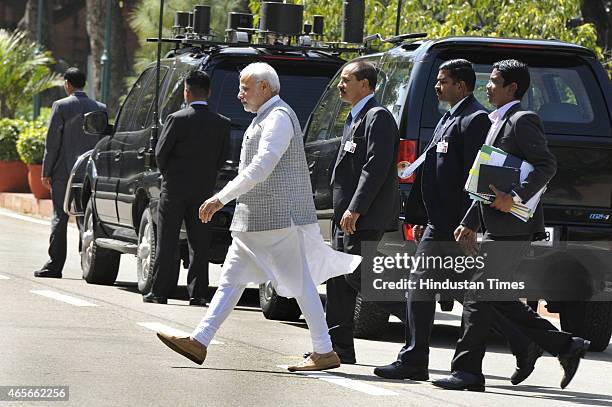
column 507, row 238
column 65, row 142
column 193, row 146
column 365, row 195
column 438, row 200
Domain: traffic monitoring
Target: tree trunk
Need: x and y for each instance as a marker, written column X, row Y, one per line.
column 594, row 11
column 120, row 64
column 28, row 22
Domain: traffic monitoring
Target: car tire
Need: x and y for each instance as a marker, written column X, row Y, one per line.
column 99, row 265
column 370, row 320
column 276, row 307
column 145, row 255
column 589, row 320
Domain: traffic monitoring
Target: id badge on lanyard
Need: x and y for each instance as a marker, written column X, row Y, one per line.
column 350, row 146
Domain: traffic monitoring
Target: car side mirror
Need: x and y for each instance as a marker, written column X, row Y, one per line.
column 96, row 123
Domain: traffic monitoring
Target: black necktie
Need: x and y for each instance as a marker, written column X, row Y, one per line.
column 347, row 127
column 346, row 131
column 437, row 135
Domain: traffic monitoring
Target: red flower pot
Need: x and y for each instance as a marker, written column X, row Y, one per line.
column 38, row 189
column 13, row 176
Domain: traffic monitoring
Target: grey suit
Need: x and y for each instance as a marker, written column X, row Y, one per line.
column 64, row 143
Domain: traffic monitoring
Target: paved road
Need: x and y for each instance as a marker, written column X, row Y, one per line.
column 100, row 341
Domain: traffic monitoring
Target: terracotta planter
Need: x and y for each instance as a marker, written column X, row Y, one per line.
column 13, row 177
column 38, row 189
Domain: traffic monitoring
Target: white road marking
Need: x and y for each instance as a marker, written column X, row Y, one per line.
column 9, row 214
column 157, row 327
column 348, row 383
column 4, row 277
column 65, row 298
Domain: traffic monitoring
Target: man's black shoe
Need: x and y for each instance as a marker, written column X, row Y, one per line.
column 526, row 363
column 344, row 358
column 571, row 359
column 200, row 302
column 47, row 274
column 461, row 381
column 153, row 299
column 399, row 370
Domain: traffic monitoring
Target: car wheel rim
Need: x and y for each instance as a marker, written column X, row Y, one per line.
column 88, row 242
column 144, row 250
column 268, row 291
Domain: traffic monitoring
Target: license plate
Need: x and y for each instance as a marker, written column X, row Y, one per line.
column 550, row 238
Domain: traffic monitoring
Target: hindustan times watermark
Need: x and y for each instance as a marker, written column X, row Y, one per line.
column 500, row 271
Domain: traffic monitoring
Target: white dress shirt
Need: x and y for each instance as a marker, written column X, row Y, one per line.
column 497, row 118
column 275, row 138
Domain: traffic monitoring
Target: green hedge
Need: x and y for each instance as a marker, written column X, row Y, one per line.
column 31, row 142
column 9, row 133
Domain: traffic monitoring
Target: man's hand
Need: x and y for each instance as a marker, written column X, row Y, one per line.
column 46, row 181
column 503, row 201
column 209, row 208
column 417, row 232
column 466, row 238
column 348, row 223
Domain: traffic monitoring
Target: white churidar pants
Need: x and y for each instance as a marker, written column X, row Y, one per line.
column 295, row 259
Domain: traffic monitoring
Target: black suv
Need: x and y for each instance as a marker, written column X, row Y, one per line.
column 571, row 92
column 117, row 185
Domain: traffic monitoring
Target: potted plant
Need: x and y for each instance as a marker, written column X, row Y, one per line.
column 31, row 149
column 13, row 172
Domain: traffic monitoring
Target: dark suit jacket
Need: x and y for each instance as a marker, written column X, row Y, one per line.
column 193, row 146
column 521, row 135
column 65, row 138
column 437, row 197
column 366, row 181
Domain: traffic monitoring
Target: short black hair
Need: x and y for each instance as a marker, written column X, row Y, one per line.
column 365, row 70
column 460, row 70
column 514, row 71
column 198, row 83
column 76, row 77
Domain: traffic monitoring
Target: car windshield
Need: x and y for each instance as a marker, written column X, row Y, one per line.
column 300, row 90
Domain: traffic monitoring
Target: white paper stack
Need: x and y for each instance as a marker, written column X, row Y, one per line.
column 494, row 156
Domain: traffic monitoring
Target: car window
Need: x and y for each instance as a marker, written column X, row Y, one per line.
column 301, row 91
column 322, row 120
column 395, row 69
column 125, row 119
column 143, row 113
column 327, row 121
column 563, row 91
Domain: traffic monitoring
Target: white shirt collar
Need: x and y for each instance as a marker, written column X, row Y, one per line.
column 454, row 108
column 499, row 114
column 269, row 103
column 359, row 105
column 199, row 102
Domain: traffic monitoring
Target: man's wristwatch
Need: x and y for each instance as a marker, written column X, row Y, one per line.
column 516, row 198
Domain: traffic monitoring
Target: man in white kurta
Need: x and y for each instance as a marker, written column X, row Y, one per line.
column 275, row 232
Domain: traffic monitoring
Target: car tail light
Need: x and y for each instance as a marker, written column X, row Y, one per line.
column 408, row 233
column 406, row 156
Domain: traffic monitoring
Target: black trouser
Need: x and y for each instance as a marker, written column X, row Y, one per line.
column 421, row 305
column 59, row 224
column 342, row 291
column 172, row 211
column 502, row 261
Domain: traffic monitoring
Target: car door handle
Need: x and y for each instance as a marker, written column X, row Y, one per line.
column 118, row 156
column 141, row 153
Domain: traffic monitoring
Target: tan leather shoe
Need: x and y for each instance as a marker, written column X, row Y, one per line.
column 317, row 361
column 190, row 348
